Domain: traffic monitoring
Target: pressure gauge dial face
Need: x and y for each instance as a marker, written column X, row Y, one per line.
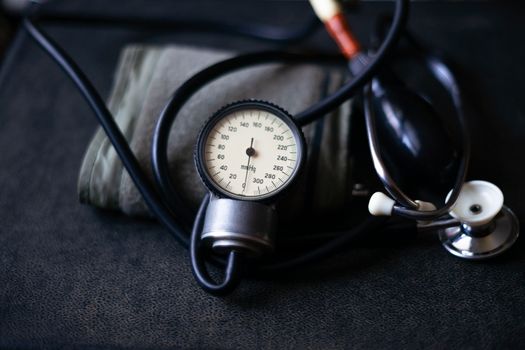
column 250, row 150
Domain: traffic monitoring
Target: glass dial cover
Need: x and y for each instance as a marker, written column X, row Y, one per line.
column 250, row 150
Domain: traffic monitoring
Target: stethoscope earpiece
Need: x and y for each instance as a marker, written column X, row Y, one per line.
column 486, row 227
column 380, row 204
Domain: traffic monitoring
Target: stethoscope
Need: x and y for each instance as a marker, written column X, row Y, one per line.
column 250, row 153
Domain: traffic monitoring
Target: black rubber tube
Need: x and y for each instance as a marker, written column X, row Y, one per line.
column 159, row 156
column 111, row 128
column 232, row 271
column 169, row 212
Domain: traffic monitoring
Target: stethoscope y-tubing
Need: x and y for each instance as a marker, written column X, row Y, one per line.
column 169, row 214
column 168, row 115
column 160, row 162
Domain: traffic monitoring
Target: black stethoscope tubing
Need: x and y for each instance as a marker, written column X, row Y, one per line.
column 444, row 75
column 319, row 109
column 168, row 207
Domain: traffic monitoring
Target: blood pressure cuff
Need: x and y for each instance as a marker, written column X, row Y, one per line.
column 144, row 81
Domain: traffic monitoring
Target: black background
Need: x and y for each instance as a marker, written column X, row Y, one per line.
column 74, row 275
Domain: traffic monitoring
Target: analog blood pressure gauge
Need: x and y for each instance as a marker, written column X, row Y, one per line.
column 250, row 150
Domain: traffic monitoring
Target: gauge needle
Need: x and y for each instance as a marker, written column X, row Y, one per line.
column 250, row 152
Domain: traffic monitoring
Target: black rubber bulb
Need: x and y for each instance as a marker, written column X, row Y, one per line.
column 415, row 143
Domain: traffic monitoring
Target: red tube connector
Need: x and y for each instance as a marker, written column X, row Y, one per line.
column 331, row 14
column 340, row 31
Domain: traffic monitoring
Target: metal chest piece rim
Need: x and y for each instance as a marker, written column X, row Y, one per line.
column 487, row 241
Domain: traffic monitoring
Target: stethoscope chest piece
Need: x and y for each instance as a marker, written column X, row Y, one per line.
column 486, row 227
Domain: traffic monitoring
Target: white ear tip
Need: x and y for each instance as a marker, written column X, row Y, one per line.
column 478, row 203
column 380, row 204
column 425, row 206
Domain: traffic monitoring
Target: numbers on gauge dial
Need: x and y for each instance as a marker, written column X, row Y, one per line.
column 251, row 153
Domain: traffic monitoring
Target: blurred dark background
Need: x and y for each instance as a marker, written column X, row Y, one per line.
column 74, row 276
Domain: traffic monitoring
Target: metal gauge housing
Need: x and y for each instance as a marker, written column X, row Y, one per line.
column 250, row 150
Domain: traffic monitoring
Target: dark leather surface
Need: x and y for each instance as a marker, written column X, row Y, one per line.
column 71, row 275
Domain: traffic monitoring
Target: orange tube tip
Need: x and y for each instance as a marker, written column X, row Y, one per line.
column 340, row 31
